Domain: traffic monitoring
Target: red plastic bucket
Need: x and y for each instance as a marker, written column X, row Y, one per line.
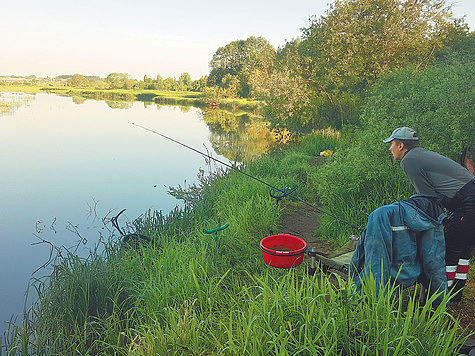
column 283, row 250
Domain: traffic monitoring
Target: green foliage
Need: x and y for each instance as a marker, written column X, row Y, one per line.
column 361, row 40
column 184, row 81
column 241, row 66
column 322, row 79
column 199, row 295
column 125, row 81
column 437, row 102
column 78, row 81
column 199, row 84
column 120, row 81
column 288, row 95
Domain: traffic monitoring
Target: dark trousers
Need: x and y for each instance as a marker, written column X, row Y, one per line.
column 459, row 231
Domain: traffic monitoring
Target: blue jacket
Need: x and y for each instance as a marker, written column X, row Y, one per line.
column 403, row 243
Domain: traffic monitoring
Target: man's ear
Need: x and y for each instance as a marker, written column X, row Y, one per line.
column 469, row 163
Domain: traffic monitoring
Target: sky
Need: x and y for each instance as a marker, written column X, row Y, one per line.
column 98, row 37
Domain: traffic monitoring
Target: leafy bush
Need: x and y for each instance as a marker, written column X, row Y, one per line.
column 437, row 102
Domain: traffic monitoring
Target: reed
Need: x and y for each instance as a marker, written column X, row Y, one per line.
column 9, row 104
column 292, row 313
column 202, row 294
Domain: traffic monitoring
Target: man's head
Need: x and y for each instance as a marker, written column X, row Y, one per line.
column 402, row 140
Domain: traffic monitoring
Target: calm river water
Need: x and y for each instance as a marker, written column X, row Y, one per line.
column 67, row 163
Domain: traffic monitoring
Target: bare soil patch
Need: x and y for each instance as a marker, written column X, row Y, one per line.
column 303, row 221
column 465, row 309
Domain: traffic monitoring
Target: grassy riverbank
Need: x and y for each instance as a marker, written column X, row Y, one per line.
column 21, row 88
column 205, row 294
column 188, row 98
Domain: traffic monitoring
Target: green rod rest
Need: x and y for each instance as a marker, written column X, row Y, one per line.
column 215, row 231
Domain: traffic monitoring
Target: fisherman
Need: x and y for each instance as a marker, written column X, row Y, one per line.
column 435, row 175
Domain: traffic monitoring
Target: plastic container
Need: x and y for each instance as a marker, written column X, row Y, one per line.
column 283, row 250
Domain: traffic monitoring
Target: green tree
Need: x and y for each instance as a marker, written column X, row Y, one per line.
column 131, row 84
column 294, row 101
column 158, row 83
column 360, row 40
column 184, row 81
column 118, row 80
column 200, row 84
column 170, row 84
column 344, row 52
column 438, row 102
column 239, row 59
column 147, row 82
column 78, row 81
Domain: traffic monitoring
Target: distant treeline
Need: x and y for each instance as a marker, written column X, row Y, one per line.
column 125, row 81
column 321, row 78
column 69, row 76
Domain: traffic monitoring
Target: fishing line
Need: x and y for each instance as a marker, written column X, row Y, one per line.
column 318, row 209
column 203, row 154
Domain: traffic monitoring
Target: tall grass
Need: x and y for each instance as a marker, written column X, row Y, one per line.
column 294, row 314
column 200, row 295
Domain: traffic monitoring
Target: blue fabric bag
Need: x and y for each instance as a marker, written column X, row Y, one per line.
column 402, row 243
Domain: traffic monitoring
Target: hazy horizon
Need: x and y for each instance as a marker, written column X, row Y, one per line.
column 51, row 38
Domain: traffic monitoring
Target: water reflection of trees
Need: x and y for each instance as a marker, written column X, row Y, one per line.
column 119, row 104
column 239, row 138
column 79, row 100
column 146, row 104
column 183, row 108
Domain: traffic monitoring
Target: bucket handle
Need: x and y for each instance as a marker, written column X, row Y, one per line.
column 277, row 197
column 282, row 254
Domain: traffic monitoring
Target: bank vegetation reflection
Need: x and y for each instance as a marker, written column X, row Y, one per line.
column 240, row 137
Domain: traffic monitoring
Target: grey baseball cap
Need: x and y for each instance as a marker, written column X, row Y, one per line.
column 403, row 133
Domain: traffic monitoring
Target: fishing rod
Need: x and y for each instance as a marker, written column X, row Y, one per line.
column 318, row 209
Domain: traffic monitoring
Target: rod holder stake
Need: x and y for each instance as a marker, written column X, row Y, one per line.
column 312, row 254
